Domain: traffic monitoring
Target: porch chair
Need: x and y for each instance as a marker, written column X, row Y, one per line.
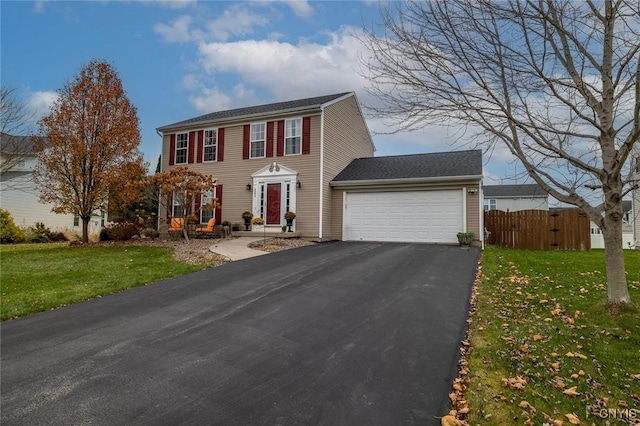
column 209, row 229
column 175, row 227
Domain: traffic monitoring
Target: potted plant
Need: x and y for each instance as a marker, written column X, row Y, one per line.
column 289, row 216
column 247, row 219
column 257, row 224
column 465, row 238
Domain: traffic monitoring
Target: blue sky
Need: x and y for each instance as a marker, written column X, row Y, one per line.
column 180, row 59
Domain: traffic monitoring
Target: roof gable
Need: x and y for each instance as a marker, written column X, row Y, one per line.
column 414, row 166
column 258, row 110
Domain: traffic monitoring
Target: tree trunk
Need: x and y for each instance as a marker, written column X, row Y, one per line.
column 85, row 229
column 617, row 291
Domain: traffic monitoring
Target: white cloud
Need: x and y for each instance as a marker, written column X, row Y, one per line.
column 39, row 103
column 236, row 20
column 214, row 99
column 301, row 8
column 172, row 4
column 38, row 6
column 178, row 32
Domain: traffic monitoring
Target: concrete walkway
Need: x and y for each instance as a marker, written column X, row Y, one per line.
column 236, row 248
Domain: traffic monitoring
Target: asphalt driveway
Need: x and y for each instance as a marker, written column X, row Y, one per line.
column 330, row 334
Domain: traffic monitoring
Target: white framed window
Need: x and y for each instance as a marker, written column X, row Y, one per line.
column 205, row 215
column 182, row 147
column 490, row 204
column 257, row 140
column 292, row 136
column 177, row 209
column 210, row 145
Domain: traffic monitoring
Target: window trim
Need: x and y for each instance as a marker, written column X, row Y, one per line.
column 185, row 148
column 299, row 136
column 205, row 146
column 202, row 203
column 263, row 140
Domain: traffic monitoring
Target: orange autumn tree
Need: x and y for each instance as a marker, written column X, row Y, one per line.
column 181, row 188
column 92, row 136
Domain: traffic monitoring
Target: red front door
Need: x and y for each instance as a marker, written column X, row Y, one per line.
column 273, row 204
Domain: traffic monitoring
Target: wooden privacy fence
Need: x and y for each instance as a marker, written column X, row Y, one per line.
column 538, row 229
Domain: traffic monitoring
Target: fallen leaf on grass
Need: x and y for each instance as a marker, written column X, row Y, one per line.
column 518, row 382
column 537, row 337
column 573, row 419
column 555, row 365
column 450, row 421
column 635, row 376
column 571, row 391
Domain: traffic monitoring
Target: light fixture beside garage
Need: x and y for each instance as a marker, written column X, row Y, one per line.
column 472, row 191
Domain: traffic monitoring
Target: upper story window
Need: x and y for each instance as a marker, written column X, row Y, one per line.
column 182, row 144
column 210, row 145
column 490, row 204
column 257, row 140
column 293, row 136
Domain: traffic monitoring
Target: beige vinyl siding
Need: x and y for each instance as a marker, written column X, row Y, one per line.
column 472, row 202
column 234, row 173
column 346, row 137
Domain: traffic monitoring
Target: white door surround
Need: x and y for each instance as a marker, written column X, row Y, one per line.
column 265, row 183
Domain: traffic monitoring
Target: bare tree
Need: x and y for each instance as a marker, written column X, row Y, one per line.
column 557, row 82
column 16, row 128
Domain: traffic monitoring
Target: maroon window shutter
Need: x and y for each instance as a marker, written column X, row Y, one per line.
column 192, row 146
column 245, row 141
column 269, row 139
column 218, row 204
column 172, row 149
column 197, row 201
column 280, row 138
column 200, row 146
column 221, row 144
column 306, row 135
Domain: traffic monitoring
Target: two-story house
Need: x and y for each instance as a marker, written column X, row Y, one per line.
column 19, row 194
column 286, row 156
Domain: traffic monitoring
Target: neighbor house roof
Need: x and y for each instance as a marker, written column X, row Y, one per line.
column 258, row 110
column 626, row 206
column 515, row 191
column 22, row 145
column 461, row 164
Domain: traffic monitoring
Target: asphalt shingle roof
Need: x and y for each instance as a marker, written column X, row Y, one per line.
column 520, row 190
column 292, row 105
column 441, row 164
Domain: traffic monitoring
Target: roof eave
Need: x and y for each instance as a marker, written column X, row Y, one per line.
column 399, row 181
column 240, row 118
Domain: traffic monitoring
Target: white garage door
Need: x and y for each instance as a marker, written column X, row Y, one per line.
column 415, row 216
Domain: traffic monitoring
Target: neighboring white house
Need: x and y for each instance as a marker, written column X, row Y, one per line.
column 19, row 195
column 515, row 197
column 597, row 240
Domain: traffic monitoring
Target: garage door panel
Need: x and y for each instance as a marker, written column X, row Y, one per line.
column 412, row 216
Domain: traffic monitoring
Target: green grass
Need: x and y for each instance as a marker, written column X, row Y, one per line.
column 38, row 277
column 542, row 316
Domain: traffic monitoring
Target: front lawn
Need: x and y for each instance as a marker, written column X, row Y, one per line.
column 543, row 347
column 38, row 277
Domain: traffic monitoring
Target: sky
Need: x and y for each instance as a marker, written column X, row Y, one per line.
column 181, row 59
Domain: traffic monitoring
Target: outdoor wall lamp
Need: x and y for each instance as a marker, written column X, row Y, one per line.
column 299, row 184
column 248, row 187
column 472, row 191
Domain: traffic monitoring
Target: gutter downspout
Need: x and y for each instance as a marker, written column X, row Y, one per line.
column 321, row 206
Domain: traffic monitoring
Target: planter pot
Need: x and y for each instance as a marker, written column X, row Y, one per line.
column 247, row 222
column 290, row 224
column 257, row 228
column 465, row 240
